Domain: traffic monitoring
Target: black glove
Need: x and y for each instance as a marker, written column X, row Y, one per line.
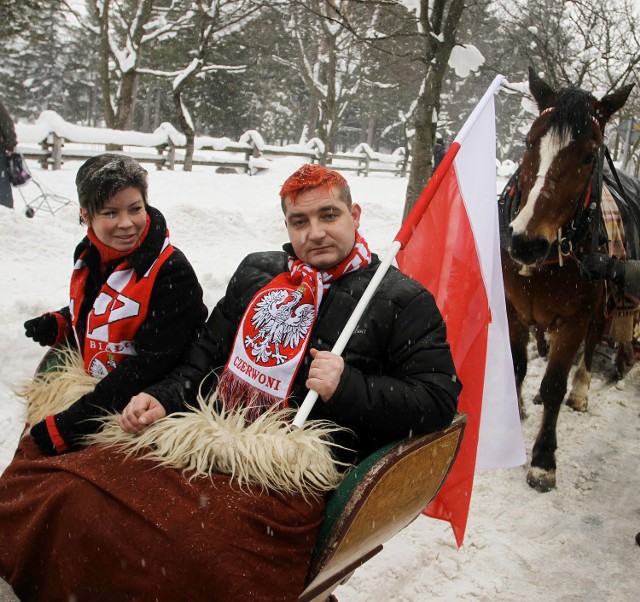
column 40, row 435
column 43, row 330
column 598, row 265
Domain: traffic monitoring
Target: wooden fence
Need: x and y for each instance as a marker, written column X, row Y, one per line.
column 51, row 141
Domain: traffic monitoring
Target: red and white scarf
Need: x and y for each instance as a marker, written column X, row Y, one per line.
column 274, row 333
column 118, row 311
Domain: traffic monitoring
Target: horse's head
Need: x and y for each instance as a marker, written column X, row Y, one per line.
column 562, row 148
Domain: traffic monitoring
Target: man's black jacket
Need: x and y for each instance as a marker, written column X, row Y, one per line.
column 399, row 377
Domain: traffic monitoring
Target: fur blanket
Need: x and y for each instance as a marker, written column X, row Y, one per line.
column 152, row 517
column 96, row 525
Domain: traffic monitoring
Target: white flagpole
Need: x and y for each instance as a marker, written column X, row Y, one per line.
column 349, row 327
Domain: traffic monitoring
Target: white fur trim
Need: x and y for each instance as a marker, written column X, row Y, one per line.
column 55, row 390
column 267, row 452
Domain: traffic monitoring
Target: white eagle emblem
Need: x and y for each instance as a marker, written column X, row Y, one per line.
column 280, row 323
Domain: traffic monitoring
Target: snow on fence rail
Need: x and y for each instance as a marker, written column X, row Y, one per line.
column 52, row 140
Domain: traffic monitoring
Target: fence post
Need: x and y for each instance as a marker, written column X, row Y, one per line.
column 44, row 160
column 254, row 153
column 160, row 151
column 171, row 156
column 367, row 162
column 405, row 163
column 57, row 151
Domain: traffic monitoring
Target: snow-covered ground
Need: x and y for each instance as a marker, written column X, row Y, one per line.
column 573, row 544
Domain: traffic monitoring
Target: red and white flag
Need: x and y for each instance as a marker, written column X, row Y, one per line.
column 451, row 244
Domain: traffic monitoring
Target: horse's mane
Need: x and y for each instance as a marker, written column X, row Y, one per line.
column 572, row 112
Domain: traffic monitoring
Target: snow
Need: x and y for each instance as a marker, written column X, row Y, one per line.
column 465, row 59
column 572, row 544
column 49, row 123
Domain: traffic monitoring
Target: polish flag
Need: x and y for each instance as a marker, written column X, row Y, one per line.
column 450, row 243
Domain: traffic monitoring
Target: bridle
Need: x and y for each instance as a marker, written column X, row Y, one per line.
column 573, row 233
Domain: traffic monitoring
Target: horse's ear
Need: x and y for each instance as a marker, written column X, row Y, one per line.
column 608, row 105
column 542, row 92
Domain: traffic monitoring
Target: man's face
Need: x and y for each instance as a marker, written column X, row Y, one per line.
column 322, row 229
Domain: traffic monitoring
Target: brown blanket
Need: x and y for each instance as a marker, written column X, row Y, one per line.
column 93, row 525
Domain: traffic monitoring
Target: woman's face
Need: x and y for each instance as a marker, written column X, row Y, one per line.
column 120, row 223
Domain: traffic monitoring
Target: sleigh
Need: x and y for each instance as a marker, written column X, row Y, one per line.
column 378, row 499
column 375, row 501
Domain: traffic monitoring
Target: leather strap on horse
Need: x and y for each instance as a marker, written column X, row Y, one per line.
column 508, row 206
column 614, row 171
column 597, row 193
column 575, row 230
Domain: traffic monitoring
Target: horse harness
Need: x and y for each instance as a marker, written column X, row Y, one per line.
column 572, row 234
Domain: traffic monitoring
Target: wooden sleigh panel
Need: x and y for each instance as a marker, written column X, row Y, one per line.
column 378, row 499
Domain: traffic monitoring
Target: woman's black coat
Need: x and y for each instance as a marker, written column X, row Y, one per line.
column 176, row 312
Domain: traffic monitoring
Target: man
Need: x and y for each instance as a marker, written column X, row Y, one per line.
column 625, row 274
column 439, row 152
column 167, row 536
column 282, row 313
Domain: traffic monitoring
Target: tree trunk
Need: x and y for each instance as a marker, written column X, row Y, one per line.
column 437, row 55
column 185, row 126
column 310, row 125
column 329, row 121
column 371, row 128
column 146, row 111
column 157, row 106
column 105, row 72
column 126, row 100
column 422, row 150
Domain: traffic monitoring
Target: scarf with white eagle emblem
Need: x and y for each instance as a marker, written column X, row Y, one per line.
column 274, row 333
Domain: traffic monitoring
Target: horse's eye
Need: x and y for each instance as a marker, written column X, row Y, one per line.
column 589, row 158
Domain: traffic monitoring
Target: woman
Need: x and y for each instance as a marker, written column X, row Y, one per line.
column 102, row 525
column 8, row 142
column 135, row 300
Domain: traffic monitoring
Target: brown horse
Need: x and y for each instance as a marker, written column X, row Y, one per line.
column 547, row 228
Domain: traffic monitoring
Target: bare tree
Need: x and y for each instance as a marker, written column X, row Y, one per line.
column 438, row 22
column 211, row 23
column 334, row 63
column 123, row 30
column 432, row 31
column 593, row 44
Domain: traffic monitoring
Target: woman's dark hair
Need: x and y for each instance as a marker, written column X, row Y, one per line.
column 102, row 176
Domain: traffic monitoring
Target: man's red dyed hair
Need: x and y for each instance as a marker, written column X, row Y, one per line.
column 309, row 177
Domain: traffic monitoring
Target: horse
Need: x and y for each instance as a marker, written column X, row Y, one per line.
column 549, row 222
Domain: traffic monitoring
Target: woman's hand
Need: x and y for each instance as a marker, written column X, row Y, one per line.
column 43, row 329
column 140, row 412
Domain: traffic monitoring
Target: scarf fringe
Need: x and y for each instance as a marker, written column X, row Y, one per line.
column 266, row 452
column 58, row 387
column 234, row 393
